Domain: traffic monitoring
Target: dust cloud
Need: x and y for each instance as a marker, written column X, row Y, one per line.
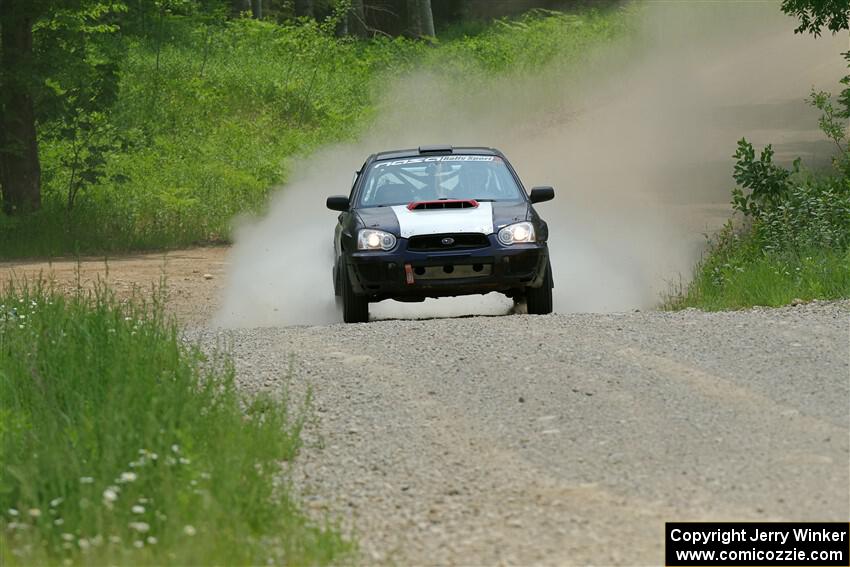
column 636, row 141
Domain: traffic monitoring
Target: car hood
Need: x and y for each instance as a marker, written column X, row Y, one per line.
column 487, row 218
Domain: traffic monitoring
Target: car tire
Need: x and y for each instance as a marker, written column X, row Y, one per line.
column 355, row 308
column 539, row 299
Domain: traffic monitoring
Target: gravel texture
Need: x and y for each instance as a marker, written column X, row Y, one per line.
column 562, row 439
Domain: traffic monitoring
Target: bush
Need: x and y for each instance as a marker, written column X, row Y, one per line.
column 795, row 238
column 121, row 444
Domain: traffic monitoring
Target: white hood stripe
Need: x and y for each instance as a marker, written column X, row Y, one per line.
column 439, row 221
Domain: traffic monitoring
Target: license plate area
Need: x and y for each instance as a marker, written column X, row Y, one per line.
column 449, row 271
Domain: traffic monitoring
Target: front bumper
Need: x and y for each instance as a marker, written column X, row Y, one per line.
column 442, row 273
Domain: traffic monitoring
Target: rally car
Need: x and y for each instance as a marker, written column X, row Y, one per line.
column 439, row 221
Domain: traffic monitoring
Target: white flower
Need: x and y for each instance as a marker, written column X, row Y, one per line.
column 68, row 537
column 189, row 530
column 58, row 522
column 141, row 527
column 152, row 540
column 114, row 539
column 175, row 448
column 139, row 543
column 143, row 500
column 138, row 509
column 34, row 512
column 86, row 480
column 128, row 477
column 110, row 495
column 56, row 502
column 84, row 544
column 13, row 512
column 184, row 461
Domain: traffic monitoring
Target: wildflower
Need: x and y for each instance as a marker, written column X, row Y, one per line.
column 153, row 456
column 58, row 522
column 143, row 500
column 13, row 512
column 152, row 540
column 114, row 539
column 138, row 543
column 127, row 477
column 86, row 480
column 140, row 527
column 189, row 530
column 205, row 475
column 68, row 537
column 184, row 461
column 175, row 448
column 138, row 509
column 170, row 461
column 84, row 544
column 110, row 495
column 34, row 512
column 56, row 502
column 97, row 540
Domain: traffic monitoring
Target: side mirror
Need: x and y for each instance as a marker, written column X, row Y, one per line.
column 338, row 203
column 540, row 194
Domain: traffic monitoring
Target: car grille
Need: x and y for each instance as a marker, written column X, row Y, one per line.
column 459, row 241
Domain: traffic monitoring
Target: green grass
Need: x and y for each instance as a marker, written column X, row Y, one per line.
column 121, row 444
column 738, row 273
column 206, row 134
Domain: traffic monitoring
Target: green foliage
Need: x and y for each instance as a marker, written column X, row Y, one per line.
column 738, row 273
column 768, row 183
column 814, row 15
column 795, row 243
column 209, row 111
column 121, row 444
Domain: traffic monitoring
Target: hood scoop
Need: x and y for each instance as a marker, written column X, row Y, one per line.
column 443, row 204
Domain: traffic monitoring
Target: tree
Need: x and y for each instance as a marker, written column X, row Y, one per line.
column 817, row 14
column 420, row 18
column 304, row 8
column 356, row 20
column 58, row 65
column 20, row 170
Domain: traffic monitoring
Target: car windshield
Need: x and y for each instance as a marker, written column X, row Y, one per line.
column 399, row 182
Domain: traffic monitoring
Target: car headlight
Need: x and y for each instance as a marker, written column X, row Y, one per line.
column 369, row 239
column 517, row 233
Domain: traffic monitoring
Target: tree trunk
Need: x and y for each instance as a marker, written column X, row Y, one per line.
column 257, row 8
column 304, row 8
column 20, row 171
column 240, row 6
column 420, row 18
column 357, row 19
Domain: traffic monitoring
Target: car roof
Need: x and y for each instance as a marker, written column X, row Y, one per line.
column 435, row 151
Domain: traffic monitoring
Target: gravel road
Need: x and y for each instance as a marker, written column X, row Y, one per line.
column 563, row 439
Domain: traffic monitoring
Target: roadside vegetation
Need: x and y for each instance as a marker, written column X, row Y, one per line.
column 200, row 111
column 791, row 239
column 120, row 444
